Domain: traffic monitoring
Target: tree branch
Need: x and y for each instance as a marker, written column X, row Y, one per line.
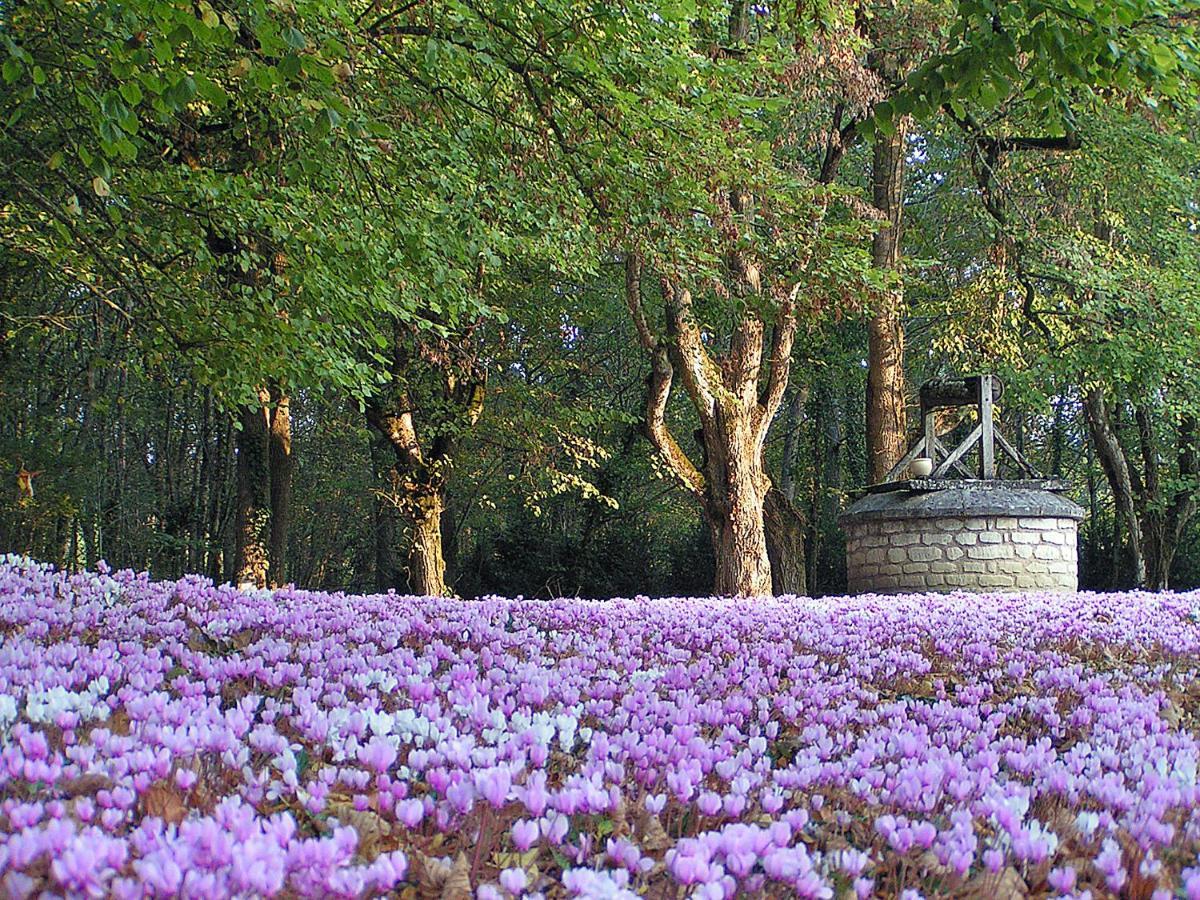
column 779, row 364
column 659, row 388
column 701, row 376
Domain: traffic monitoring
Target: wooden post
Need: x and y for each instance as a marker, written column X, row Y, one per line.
column 931, row 442
column 987, row 445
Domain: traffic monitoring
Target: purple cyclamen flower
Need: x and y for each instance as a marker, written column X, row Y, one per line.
column 524, row 834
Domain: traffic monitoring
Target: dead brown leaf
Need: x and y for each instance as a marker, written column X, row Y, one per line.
column 428, row 872
column 162, row 800
column 652, row 835
column 372, row 830
column 85, row 785
column 458, row 884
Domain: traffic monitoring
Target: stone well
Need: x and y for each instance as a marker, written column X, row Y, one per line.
column 974, row 535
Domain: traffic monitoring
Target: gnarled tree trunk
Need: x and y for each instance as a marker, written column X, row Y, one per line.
column 730, row 483
column 421, row 472
column 738, row 488
column 417, row 493
column 426, row 559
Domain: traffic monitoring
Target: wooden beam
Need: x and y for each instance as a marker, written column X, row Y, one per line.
column 931, row 441
column 959, row 452
column 958, row 466
column 1016, row 455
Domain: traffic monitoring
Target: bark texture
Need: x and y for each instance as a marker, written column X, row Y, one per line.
column 416, row 491
column 1116, row 469
column 886, row 414
column 387, row 570
column 786, row 528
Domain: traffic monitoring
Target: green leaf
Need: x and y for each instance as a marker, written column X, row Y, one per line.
column 294, row 38
column 131, row 92
column 209, row 90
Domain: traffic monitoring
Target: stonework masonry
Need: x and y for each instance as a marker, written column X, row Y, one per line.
column 942, row 554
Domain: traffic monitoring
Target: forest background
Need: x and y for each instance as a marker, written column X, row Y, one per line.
column 557, row 298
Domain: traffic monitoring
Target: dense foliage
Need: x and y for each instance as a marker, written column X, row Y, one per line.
column 181, row 739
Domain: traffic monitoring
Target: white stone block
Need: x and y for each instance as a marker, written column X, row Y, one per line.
column 924, row 554
column 993, row 551
column 1039, row 524
column 997, row 581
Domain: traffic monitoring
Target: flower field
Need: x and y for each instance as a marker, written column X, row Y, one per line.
column 180, row 739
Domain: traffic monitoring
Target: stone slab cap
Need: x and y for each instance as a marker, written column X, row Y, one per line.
column 965, row 500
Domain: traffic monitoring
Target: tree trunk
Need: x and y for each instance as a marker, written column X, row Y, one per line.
column 1116, row 469
column 1160, row 553
column 426, row 561
column 281, row 467
column 886, row 414
column 736, row 491
column 416, row 493
column 731, row 482
column 253, row 530
column 1164, row 518
column 791, row 443
column 785, row 528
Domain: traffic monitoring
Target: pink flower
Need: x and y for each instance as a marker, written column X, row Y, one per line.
column 524, row 834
